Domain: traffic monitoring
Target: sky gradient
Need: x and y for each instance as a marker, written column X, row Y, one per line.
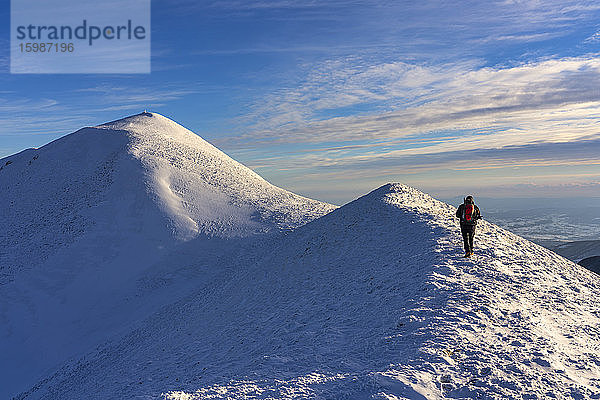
column 331, row 99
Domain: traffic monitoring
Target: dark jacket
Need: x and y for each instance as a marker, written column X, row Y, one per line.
column 460, row 214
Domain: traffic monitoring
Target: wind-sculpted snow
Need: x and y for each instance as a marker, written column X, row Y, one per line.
column 204, row 190
column 89, row 219
column 372, row 300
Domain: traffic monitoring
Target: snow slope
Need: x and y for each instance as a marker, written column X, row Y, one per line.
column 88, row 220
column 373, row 300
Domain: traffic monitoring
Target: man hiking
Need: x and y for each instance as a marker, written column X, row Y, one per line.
column 468, row 213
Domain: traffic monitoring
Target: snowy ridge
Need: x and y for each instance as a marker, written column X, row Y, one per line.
column 373, row 300
column 92, row 223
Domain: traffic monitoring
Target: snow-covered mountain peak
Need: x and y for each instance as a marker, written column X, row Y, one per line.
column 407, row 197
column 395, row 202
column 87, row 215
column 153, row 125
column 203, row 189
column 138, row 121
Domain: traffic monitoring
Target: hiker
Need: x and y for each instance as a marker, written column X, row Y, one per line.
column 468, row 213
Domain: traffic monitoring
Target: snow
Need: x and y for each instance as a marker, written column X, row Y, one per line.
column 94, row 223
column 372, row 300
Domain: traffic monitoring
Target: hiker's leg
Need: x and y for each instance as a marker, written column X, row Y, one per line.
column 471, row 237
column 466, row 241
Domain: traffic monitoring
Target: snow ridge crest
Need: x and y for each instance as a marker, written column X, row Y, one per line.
column 410, row 199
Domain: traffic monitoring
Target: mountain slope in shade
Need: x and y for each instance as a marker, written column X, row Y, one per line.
column 591, row 263
column 372, row 300
column 88, row 220
column 578, row 250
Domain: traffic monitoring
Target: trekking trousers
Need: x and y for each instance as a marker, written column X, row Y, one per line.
column 468, row 232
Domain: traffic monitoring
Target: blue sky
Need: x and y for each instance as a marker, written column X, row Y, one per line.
column 331, row 99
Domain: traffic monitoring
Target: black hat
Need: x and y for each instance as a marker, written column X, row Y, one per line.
column 469, row 199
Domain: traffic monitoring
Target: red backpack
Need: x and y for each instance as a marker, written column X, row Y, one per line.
column 468, row 213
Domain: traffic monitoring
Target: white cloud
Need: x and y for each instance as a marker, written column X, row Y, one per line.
column 123, row 95
column 595, row 38
column 417, row 122
column 550, row 100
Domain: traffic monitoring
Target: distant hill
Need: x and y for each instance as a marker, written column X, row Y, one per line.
column 578, row 250
column 591, row 263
